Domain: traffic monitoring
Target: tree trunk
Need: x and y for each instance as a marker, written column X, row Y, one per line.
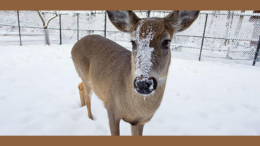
column 46, row 36
column 241, row 17
column 228, row 26
column 212, row 19
column 45, row 26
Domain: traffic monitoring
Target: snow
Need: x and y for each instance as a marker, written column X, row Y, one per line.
column 144, row 51
column 39, row 96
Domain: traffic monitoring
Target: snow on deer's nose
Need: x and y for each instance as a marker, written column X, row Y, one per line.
column 145, row 86
column 143, row 59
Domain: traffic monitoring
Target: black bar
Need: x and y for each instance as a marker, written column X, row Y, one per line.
column 203, row 36
column 19, row 28
column 78, row 26
column 60, row 30
column 105, row 29
column 257, row 51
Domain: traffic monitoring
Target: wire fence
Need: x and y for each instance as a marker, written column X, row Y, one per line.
column 223, row 36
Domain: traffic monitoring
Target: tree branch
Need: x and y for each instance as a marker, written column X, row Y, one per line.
column 56, row 15
column 43, row 22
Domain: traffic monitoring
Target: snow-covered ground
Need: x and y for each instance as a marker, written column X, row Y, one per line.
column 39, row 96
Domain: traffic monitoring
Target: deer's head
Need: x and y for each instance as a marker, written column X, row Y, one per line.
column 151, row 38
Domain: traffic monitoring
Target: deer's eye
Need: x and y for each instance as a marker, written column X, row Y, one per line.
column 134, row 46
column 166, row 44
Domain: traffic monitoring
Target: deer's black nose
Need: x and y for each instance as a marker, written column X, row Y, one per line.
column 145, row 85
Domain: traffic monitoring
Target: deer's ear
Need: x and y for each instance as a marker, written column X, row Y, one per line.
column 123, row 20
column 181, row 20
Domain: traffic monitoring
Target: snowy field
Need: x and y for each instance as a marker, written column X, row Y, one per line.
column 39, row 96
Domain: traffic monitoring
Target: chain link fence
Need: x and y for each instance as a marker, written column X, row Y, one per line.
column 220, row 36
column 223, row 36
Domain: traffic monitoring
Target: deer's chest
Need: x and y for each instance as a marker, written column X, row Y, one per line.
column 142, row 110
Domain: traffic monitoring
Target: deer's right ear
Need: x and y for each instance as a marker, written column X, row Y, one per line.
column 123, row 20
column 181, row 20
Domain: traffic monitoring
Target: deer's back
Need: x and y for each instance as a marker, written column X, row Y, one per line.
column 100, row 62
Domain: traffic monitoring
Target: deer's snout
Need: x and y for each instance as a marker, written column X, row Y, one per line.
column 145, row 85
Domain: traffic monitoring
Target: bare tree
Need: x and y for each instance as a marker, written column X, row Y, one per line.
column 228, row 28
column 213, row 18
column 45, row 26
column 238, row 28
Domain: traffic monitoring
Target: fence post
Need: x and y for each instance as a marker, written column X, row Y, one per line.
column 60, row 30
column 77, row 26
column 256, row 52
column 105, row 29
column 148, row 13
column 202, row 41
column 19, row 28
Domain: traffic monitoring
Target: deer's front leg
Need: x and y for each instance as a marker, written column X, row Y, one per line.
column 113, row 124
column 137, row 130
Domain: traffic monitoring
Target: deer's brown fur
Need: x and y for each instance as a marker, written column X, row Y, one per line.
column 108, row 69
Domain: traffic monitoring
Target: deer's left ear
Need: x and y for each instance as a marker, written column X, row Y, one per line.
column 181, row 20
column 123, row 20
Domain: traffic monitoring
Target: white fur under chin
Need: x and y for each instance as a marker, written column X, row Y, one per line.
column 146, row 95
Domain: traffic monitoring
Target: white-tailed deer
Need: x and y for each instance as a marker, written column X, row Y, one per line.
column 130, row 84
